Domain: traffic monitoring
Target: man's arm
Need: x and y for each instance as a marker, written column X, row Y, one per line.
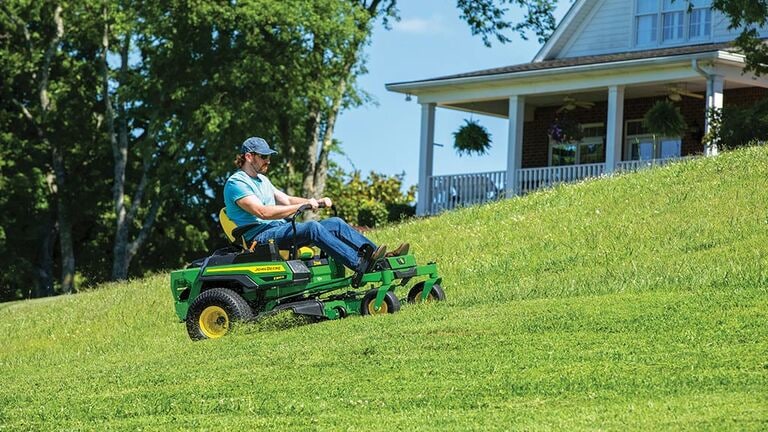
column 285, row 199
column 254, row 206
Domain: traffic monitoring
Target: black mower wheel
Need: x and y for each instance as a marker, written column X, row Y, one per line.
column 391, row 303
column 213, row 312
column 435, row 294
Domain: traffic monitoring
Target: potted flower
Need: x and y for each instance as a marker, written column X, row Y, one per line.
column 665, row 119
column 471, row 138
column 565, row 130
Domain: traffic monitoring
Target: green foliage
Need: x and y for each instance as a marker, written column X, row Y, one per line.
column 665, row 119
column 370, row 201
column 488, row 18
column 197, row 82
column 735, row 126
column 613, row 304
column 748, row 17
column 471, row 138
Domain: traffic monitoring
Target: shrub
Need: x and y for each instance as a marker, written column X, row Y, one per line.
column 370, row 201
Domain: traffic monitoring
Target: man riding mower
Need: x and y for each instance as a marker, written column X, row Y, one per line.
column 256, row 278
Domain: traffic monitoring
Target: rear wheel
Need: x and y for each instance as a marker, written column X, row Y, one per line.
column 391, row 304
column 435, row 294
column 213, row 312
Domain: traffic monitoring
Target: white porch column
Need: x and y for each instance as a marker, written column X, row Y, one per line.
column 426, row 158
column 515, row 142
column 715, row 85
column 614, row 128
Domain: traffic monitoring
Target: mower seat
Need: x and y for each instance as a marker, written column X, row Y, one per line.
column 235, row 235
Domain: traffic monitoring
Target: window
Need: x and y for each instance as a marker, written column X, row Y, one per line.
column 591, row 149
column 647, row 21
column 700, row 20
column 672, row 21
column 640, row 145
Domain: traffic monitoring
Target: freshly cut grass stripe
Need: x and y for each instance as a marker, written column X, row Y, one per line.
column 637, row 301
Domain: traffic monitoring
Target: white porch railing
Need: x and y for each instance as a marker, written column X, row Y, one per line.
column 636, row 165
column 531, row 179
column 451, row 191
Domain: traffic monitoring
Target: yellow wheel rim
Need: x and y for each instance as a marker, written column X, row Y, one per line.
column 214, row 322
column 430, row 297
column 372, row 307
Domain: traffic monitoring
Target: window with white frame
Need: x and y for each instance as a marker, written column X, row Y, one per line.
column 700, row 20
column 673, row 12
column 641, row 145
column 591, row 149
column 672, row 21
column 646, row 22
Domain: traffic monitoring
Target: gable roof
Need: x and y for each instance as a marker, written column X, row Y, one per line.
column 577, row 61
column 577, row 13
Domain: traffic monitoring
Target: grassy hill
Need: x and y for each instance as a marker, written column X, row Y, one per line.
column 638, row 301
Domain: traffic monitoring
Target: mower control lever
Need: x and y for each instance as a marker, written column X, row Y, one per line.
column 305, row 207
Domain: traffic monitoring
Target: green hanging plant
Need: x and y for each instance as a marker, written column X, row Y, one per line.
column 665, row 119
column 471, row 138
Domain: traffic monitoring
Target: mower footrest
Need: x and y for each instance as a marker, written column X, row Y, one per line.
column 308, row 307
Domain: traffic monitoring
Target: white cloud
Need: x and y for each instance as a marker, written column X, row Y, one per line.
column 419, row 25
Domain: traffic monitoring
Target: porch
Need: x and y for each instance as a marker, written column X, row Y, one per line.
column 606, row 95
column 447, row 192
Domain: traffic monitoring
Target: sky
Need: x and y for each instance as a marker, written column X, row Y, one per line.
column 428, row 42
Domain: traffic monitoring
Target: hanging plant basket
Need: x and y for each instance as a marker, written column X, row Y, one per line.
column 665, row 119
column 565, row 130
column 471, row 138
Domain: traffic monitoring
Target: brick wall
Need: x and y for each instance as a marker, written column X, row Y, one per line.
column 536, row 141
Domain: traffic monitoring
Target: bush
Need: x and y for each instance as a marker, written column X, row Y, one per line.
column 370, row 201
column 737, row 126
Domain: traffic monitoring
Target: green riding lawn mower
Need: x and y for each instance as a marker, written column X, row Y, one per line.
column 242, row 283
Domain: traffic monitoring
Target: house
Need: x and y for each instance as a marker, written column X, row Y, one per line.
column 606, row 64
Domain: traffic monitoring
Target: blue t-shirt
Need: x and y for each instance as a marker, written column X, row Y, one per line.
column 240, row 185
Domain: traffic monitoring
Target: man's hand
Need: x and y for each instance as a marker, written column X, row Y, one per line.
column 313, row 202
column 327, row 202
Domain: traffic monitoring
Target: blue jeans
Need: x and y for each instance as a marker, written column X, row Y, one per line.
column 333, row 235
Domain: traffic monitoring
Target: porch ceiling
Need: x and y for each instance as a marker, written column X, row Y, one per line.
column 500, row 107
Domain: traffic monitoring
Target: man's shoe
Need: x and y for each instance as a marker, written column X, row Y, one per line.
column 400, row 250
column 378, row 254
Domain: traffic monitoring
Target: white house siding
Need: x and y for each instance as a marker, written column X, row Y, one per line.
column 607, row 27
column 607, row 30
column 721, row 32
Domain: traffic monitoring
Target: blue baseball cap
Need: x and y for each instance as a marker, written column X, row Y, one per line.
column 256, row 145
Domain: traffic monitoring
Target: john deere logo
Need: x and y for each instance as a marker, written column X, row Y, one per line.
column 401, row 261
column 252, row 269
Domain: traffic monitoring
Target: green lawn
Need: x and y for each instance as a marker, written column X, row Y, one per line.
column 639, row 302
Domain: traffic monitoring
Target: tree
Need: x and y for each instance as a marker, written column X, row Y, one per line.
column 749, row 16
column 41, row 79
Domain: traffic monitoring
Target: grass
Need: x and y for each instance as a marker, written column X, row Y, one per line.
column 633, row 302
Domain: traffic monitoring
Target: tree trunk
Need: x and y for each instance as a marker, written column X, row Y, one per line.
column 65, row 225
column 313, row 135
column 44, row 266
column 289, row 153
column 317, row 170
column 118, row 138
column 321, row 171
column 57, row 160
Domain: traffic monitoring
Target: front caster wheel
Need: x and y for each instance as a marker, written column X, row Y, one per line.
column 390, row 304
column 435, row 294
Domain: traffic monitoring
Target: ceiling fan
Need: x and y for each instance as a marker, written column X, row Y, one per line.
column 676, row 93
column 570, row 103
